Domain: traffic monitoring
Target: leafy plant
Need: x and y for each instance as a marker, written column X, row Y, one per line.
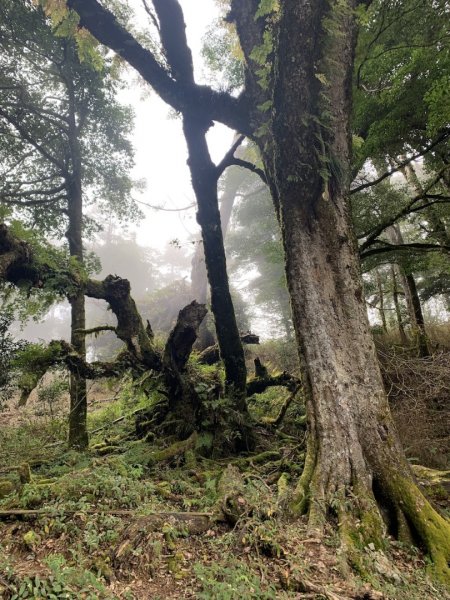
column 235, row 581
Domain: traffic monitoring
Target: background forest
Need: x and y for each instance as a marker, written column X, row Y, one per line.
column 241, row 391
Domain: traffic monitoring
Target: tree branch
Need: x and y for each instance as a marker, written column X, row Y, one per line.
column 372, row 236
column 26, row 136
column 228, row 159
column 172, row 30
column 245, row 164
column 401, row 165
column 386, row 247
column 260, row 385
column 182, row 96
column 28, row 193
column 95, row 330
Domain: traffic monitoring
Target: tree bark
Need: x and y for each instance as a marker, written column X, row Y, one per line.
column 398, row 312
column 204, row 182
column 354, row 460
column 381, row 296
column 199, row 278
column 78, row 435
column 412, row 298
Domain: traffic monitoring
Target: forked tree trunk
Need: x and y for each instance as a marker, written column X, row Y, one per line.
column 354, row 460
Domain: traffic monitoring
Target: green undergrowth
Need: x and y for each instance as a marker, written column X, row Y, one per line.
column 97, row 539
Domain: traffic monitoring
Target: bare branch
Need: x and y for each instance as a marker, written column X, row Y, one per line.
column 154, row 207
column 228, row 159
column 95, row 330
column 245, row 164
column 373, row 235
column 401, row 165
column 386, row 247
column 181, row 95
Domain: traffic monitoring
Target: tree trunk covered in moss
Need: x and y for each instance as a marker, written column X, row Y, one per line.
column 354, row 461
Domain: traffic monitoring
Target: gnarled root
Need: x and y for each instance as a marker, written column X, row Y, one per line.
column 368, row 504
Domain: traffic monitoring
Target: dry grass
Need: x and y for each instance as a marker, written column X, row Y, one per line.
column 419, row 390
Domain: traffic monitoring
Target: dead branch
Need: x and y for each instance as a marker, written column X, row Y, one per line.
column 258, row 386
column 95, row 330
column 211, row 355
column 183, row 335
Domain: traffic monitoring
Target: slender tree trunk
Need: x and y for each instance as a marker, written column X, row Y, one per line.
column 412, row 298
column 78, row 435
column 354, row 459
column 398, row 312
column 204, row 182
column 381, row 295
column 199, row 279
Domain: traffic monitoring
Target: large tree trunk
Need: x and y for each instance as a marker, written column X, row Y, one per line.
column 354, row 461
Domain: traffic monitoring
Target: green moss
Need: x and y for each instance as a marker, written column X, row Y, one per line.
column 300, row 501
column 283, row 487
column 176, row 449
column 6, row 488
column 24, row 473
column 432, row 529
column 257, row 459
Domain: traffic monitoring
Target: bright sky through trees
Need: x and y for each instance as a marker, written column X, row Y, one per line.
column 160, row 148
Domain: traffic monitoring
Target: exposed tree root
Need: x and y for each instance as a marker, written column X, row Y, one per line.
column 365, row 508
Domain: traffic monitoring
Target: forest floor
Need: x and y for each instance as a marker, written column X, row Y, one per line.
column 111, row 522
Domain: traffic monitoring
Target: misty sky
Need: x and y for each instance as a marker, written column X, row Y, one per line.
column 160, row 148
